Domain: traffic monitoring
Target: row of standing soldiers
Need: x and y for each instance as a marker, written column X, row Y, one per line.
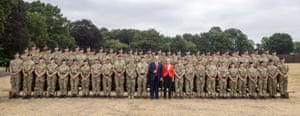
column 209, row 74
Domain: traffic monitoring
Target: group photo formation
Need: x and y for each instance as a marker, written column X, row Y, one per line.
column 142, row 73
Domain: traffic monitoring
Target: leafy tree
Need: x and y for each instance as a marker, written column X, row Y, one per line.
column 57, row 25
column 5, row 10
column 280, row 42
column 297, row 47
column 37, row 26
column 15, row 36
column 86, row 34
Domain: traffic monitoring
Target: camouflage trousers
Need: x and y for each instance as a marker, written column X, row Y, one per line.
column 15, row 83
column 27, row 84
column 106, row 85
column 242, row 87
column 142, row 85
column 262, row 84
column 39, row 85
column 252, row 88
column 211, row 86
column 74, row 85
column 272, row 86
column 200, row 82
column 189, row 84
column 85, row 86
column 96, row 85
column 63, row 82
column 233, row 88
column 51, row 84
column 119, row 82
column 223, row 87
column 178, row 86
column 283, row 83
column 131, row 86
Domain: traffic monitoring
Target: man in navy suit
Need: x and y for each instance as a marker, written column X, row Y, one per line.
column 155, row 74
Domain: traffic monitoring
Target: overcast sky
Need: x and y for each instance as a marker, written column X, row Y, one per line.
column 256, row 18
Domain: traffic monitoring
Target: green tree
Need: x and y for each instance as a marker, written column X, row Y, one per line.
column 37, row 26
column 57, row 25
column 5, row 10
column 282, row 43
column 297, row 47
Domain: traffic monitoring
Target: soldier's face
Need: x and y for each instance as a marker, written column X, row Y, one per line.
column 29, row 57
column 26, row 50
column 64, row 62
column 52, row 61
column 17, row 56
column 74, row 62
column 282, row 61
column 41, row 61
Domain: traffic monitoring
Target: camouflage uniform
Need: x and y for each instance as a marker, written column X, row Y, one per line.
column 28, row 68
column 119, row 76
column 107, row 71
column 142, row 69
column 252, row 74
column 179, row 70
column 85, row 79
column 242, row 81
column 272, row 80
column 189, row 79
column 131, row 76
column 283, row 78
column 200, row 79
column 211, row 79
column 96, row 71
column 263, row 80
column 51, row 78
column 233, row 81
column 15, row 67
column 63, row 71
column 223, row 76
column 40, row 69
column 74, row 80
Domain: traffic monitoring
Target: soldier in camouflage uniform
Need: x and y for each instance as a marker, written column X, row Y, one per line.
column 59, row 57
column 96, row 73
column 252, row 74
column 74, row 77
column 131, row 77
column 63, row 72
column 51, row 77
column 223, row 75
column 211, row 72
column 25, row 54
column 233, row 78
column 92, row 57
column 283, row 77
column 85, row 72
column 107, row 69
column 179, row 73
column 28, row 68
column 242, row 80
column 189, row 78
column 263, row 79
column 142, row 71
column 40, row 71
column 119, row 69
column 15, row 68
column 200, row 78
column 272, row 80
column 81, row 57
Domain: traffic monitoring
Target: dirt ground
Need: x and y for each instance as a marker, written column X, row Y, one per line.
column 178, row 107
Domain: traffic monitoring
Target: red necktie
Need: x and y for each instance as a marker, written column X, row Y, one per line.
column 156, row 68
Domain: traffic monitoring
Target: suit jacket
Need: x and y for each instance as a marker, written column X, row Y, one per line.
column 152, row 68
column 169, row 73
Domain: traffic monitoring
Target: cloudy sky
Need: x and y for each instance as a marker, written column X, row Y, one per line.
column 256, row 18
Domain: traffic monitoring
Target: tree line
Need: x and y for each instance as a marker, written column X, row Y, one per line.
column 26, row 24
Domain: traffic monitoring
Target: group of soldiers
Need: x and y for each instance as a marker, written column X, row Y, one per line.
column 85, row 72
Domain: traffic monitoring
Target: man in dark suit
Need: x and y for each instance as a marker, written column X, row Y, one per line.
column 155, row 74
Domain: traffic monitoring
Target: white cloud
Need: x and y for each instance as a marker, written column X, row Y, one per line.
column 256, row 18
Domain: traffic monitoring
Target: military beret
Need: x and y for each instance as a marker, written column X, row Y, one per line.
column 250, row 62
column 260, row 62
column 281, row 58
column 273, row 51
column 64, row 60
column 241, row 63
column 41, row 58
column 231, row 63
column 74, row 60
column 270, row 60
column 85, row 60
column 29, row 54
